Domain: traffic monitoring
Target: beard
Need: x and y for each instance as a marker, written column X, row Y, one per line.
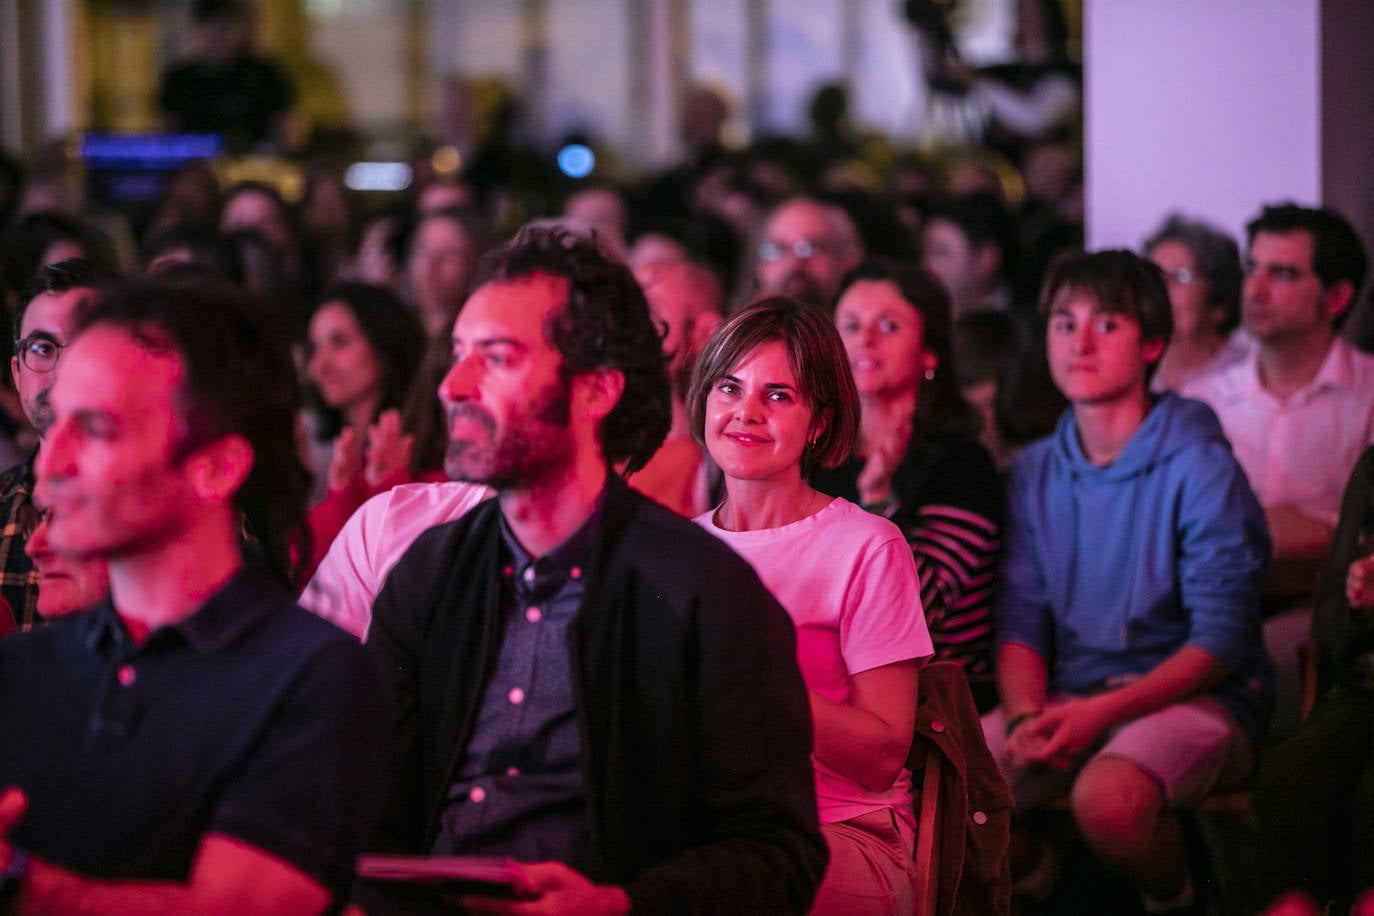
column 800, row 286
column 41, row 413
column 529, row 446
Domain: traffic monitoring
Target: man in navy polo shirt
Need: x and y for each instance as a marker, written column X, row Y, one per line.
column 194, row 743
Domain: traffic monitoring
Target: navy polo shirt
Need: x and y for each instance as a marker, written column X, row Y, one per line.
column 252, row 718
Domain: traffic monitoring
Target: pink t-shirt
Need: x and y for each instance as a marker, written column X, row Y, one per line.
column 849, row 583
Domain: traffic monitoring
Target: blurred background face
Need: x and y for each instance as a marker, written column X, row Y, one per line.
column 343, row 364
column 439, row 265
column 801, row 256
column 884, row 337
column 64, row 585
column 951, row 257
column 257, row 211
column 1188, row 291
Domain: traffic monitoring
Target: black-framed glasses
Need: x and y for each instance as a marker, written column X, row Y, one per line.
column 38, row 352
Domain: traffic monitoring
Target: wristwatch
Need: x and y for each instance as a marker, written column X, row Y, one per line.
column 12, row 877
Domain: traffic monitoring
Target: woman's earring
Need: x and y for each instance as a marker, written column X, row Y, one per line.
column 930, row 375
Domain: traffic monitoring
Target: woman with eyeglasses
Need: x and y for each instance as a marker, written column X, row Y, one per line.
column 771, row 397
column 917, row 459
column 1202, row 271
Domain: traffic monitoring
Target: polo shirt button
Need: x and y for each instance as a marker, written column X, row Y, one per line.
column 512, row 771
column 529, row 573
column 126, row 675
column 937, row 726
column 533, row 614
column 516, row 695
column 575, row 572
column 980, row 818
column 478, row 794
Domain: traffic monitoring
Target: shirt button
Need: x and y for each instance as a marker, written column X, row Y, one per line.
column 533, row 614
column 516, row 695
column 529, row 574
column 477, row 794
column 512, row 771
column 980, row 818
column 126, row 675
column 937, row 726
column 575, row 572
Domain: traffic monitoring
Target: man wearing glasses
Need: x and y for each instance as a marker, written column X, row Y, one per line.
column 807, row 248
column 43, row 324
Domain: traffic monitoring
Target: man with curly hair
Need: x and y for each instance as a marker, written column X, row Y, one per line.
column 583, row 680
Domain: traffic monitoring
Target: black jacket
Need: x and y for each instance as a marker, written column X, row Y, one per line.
column 696, row 730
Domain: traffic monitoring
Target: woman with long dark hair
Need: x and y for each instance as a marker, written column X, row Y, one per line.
column 917, row 459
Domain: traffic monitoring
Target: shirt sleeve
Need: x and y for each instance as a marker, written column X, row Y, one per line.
column 309, row 793
column 349, row 577
column 883, row 622
column 1223, row 554
column 1022, row 610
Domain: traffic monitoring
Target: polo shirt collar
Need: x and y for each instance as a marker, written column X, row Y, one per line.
column 238, row 606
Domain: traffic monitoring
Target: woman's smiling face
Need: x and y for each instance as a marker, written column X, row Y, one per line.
column 758, row 420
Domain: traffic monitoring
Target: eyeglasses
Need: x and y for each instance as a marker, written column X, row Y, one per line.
column 801, row 250
column 1180, row 275
column 38, row 352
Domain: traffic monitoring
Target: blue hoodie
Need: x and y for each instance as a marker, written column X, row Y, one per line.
column 1107, row 571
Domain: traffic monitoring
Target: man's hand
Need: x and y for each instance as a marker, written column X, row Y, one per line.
column 562, row 890
column 1058, row 736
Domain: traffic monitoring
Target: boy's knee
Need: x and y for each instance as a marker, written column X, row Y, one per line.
column 1117, row 805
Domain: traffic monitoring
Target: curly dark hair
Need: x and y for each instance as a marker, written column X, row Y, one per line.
column 605, row 324
column 238, row 380
column 941, row 410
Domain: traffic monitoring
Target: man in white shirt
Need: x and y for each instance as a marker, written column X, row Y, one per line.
column 1300, row 409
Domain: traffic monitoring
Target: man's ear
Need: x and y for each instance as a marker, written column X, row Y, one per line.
column 217, row 470
column 14, row 371
column 1152, row 350
column 600, row 392
column 1336, row 298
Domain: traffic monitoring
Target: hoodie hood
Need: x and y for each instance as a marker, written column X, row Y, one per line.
column 1172, row 425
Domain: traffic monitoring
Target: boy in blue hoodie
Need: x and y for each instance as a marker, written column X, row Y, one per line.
column 1130, row 661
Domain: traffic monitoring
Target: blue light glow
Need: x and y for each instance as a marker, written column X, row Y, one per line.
column 576, row 160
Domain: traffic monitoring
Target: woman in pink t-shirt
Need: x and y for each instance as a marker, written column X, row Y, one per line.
column 771, row 397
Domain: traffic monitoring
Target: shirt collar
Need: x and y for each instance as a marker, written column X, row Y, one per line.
column 239, row 605
column 567, row 560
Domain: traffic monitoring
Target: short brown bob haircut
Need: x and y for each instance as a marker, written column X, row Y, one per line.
column 817, row 357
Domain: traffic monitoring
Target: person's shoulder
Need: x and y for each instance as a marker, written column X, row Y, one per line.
column 425, row 504
column 1360, row 366
column 852, row 521
column 1221, row 381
